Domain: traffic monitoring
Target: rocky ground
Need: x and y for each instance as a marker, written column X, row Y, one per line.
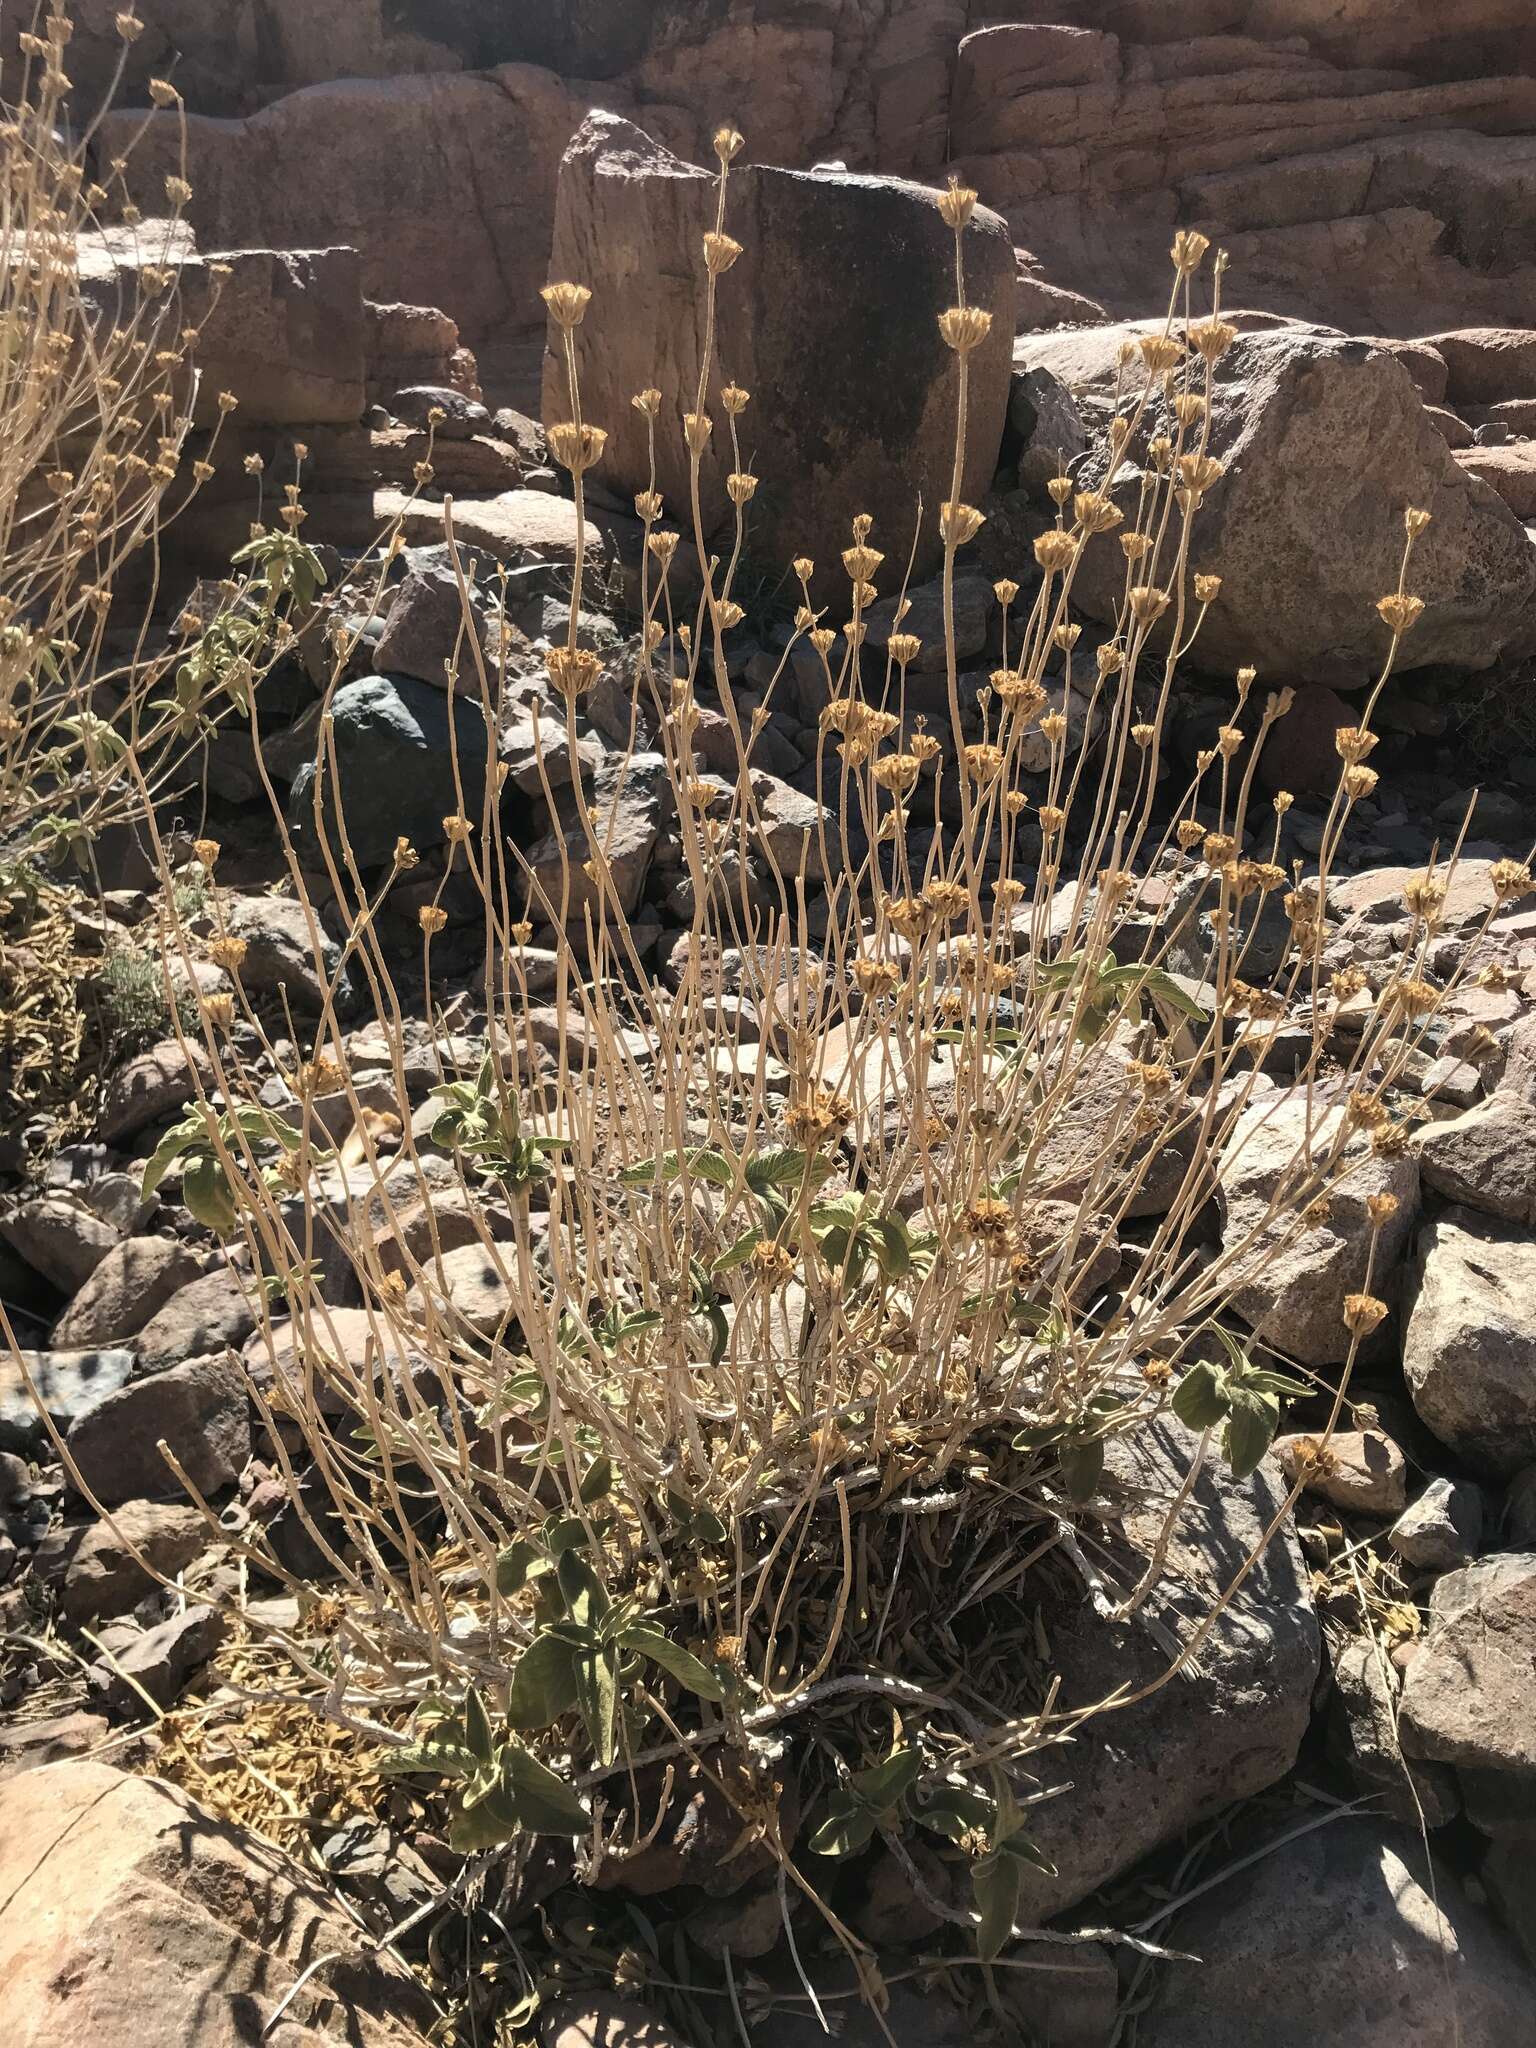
column 1367, row 167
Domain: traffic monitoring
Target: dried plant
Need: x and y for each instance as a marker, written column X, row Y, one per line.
column 816, row 1302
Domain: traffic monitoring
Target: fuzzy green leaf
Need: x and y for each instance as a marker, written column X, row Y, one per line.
column 544, row 1684
column 677, row 1662
column 996, row 1880
column 1250, row 1431
column 1201, row 1399
column 543, row 1802
column 1082, row 1467
column 847, row 1828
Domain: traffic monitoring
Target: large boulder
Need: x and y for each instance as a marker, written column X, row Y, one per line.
column 1325, row 444
column 393, row 741
column 829, row 319
column 1229, row 1724
column 128, row 1913
column 1340, row 1939
column 1469, row 1346
column 284, row 330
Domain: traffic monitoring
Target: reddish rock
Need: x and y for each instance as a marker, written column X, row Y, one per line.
column 1299, row 754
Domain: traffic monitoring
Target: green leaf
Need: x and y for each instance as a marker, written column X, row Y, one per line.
column 956, row 1811
column 192, row 1131
column 1250, row 1431
column 1023, row 1850
column 1201, row 1399
column 598, row 1483
column 740, row 1251
column 597, row 1699
column 996, row 1880
column 1082, row 1467
column 544, row 1684
column 883, row 1786
column 893, row 1247
column 441, row 1756
column 848, row 1827
column 582, row 1590
column 543, row 1802
column 515, row 1566
column 784, row 1168
column 478, row 1732
column 207, row 1193
column 703, row 1163
column 677, row 1662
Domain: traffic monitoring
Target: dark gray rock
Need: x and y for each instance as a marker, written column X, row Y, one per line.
column 199, row 1410
column 393, row 739
column 69, row 1384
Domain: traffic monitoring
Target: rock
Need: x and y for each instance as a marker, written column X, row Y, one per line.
column 598, row 2019
column 148, row 1090
column 1293, row 1276
column 1456, row 434
column 131, row 1285
column 1510, row 470
column 924, row 617
column 1469, row 1345
column 288, row 952
column 527, row 529
column 1049, row 428
column 411, row 345
column 462, row 417
column 472, row 1285
column 103, row 1877
column 631, row 805
column 199, row 1409
column 1299, row 754
column 910, row 2020
column 427, row 633
column 1339, row 1940
column 1510, row 1881
column 1225, row 1730
column 60, row 1237
column 158, row 1662
column 1375, row 896
column 394, row 739
column 1360, row 1471
column 629, row 219
column 69, row 1385
column 1364, row 1725
column 1443, row 1529
column 205, row 1316
column 284, row 331
column 1485, row 1158
column 1324, row 442
column 330, row 1364
column 1424, row 364
column 92, row 1566
column 1487, row 364
column 27, row 1745
column 694, row 1830
column 1466, row 1699
column 1520, row 1510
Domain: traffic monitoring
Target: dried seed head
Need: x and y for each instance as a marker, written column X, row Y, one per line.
column 1005, row 590
column 697, row 428
column 1189, row 409
column 965, row 328
column 648, row 507
column 1066, row 637
column 823, row 640
column 1189, row 250
column 220, row 1011
column 1229, row 740
column 662, row 544
column 1055, row 550
column 803, row 567
column 1415, row 997
column 129, row 26
column 567, row 303
column 1199, row 473
column 957, row 205
column 1362, row 1314
column 1095, row 513
column 1207, row 589
column 1381, row 1209
column 1353, row 743
column 959, row 524
column 1359, row 782
column 1347, row 983
column 1425, row 896
column 1060, row 488
column 1134, row 545
column 741, row 487
column 1415, row 520
column 1147, row 604
column 1052, row 817
column 728, row 145
column 948, row 899
column 1054, row 727
column 720, row 252
column 1189, row 832
column 572, row 670
column 576, row 447
column 903, row 648
column 1143, row 735
column 1218, row 849
column 1160, row 353
column 984, row 762
column 735, row 400
column 163, row 93
column 227, row 952
column 456, row 829
column 1400, row 611
column 1015, row 803
column 1110, row 659
column 876, row 978
column 1212, row 338
column 1510, row 878
column 207, row 853
column 647, row 402
column 432, row 919
column 897, row 772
